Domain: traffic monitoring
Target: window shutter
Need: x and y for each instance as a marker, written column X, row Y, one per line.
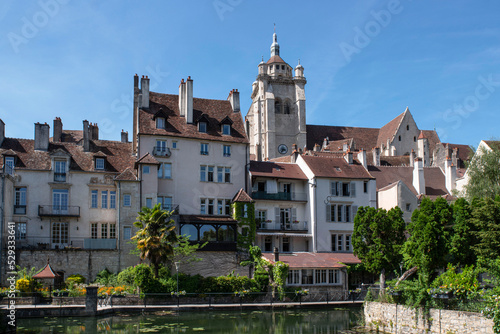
column 277, row 215
column 353, row 189
column 339, row 188
column 294, row 214
column 328, row 212
column 292, row 189
column 332, row 188
column 354, row 210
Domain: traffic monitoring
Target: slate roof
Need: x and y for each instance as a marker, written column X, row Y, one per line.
column 214, row 110
column 118, row 155
column 314, row 260
column 333, row 167
column 276, row 170
column 242, row 196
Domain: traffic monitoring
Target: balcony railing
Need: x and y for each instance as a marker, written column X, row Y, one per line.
column 60, row 177
column 282, row 226
column 280, row 196
column 61, row 242
column 19, row 209
column 58, row 211
column 161, row 151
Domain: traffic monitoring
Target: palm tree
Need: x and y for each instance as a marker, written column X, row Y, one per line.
column 156, row 237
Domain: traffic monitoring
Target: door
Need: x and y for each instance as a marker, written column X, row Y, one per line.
column 60, row 201
column 60, row 235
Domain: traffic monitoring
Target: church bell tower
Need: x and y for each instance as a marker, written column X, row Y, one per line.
column 277, row 117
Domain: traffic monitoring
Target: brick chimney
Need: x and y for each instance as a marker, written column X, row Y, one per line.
column 376, row 156
column 57, row 131
column 418, row 176
column 276, row 254
column 124, row 136
column 42, row 133
column 86, row 136
column 234, row 99
column 93, row 131
column 144, row 92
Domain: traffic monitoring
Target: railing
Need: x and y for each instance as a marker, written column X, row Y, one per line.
column 276, row 225
column 60, row 177
column 19, row 209
column 280, row 196
column 58, row 211
column 61, row 242
column 161, row 151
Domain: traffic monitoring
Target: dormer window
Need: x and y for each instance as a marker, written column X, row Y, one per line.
column 202, row 127
column 160, row 123
column 226, row 129
column 9, row 165
column 60, row 170
column 99, row 163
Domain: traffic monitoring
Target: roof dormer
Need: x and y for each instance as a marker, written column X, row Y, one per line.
column 225, row 125
column 202, row 122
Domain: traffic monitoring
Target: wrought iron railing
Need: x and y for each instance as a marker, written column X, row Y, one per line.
column 58, row 211
column 286, row 226
column 61, row 242
column 280, row 196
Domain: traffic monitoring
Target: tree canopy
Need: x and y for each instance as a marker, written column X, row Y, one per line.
column 484, row 174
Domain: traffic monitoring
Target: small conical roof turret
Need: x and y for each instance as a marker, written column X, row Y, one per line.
column 275, row 47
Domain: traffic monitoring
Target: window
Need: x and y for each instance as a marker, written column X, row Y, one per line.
column 286, row 244
column 104, row 199
column 345, row 189
column 226, row 150
column 202, row 127
column 127, row 233
column 20, row 201
column 145, row 169
column 348, row 242
column 112, row 199
column 93, row 231
column 260, row 218
column 204, row 149
column 407, row 127
column 415, row 139
column 166, row 203
column 399, row 138
column 93, row 199
column 365, row 186
column 210, row 177
column 227, row 175
column 293, row 277
column 104, row 231
column 161, row 147
column 226, row 129
column 203, row 173
column 408, row 207
column 127, row 200
column 112, row 231
column 59, row 233
column 174, row 145
column 149, row 203
column 268, row 244
column 220, row 207
column 203, row 206
column 348, row 213
column 334, row 276
column 160, row 123
column 60, row 201
column 20, row 231
column 227, row 208
column 60, row 171
column 220, row 174
column 320, row 276
column 245, row 211
column 165, row 171
column 9, row 162
column 210, row 207
column 99, row 163
column 341, row 242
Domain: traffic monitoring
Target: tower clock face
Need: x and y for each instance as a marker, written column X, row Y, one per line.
column 282, row 149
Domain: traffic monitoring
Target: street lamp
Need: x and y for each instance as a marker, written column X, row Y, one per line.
column 177, row 264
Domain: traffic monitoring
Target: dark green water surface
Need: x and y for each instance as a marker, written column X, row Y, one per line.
column 303, row 321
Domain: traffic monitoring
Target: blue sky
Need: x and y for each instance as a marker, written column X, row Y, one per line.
column 365, row 62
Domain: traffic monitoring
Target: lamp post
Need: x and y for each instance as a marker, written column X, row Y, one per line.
column 177, row 264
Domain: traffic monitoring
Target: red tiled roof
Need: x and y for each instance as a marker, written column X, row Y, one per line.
column 148, row 159
column 242, row 196
column 421, row 135
column 314, row 260
column 493, row 144
column 333, row 167
column 127, row 175
column 286, row 158
column 47, row 272
column 338, row 145
column 214, row 110
column 275, row 59
column 276, row 170
column 118, row 155
column 363, row 137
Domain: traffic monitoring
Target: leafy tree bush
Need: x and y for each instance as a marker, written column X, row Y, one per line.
column 463, row 238
column 463, row 285
column 75, row 280
column 484, row 175
column 105, row 277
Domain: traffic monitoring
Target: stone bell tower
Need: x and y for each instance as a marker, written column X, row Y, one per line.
column 277, row 117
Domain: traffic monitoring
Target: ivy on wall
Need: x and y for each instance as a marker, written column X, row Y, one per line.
column 244, row 213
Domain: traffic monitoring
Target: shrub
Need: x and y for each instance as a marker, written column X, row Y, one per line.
column 75, row 280
column 23, row 285
column 145, row 280
column 105, row 277
column 126, row 276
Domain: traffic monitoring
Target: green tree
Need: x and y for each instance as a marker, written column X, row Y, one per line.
column 463, row 237
column 156, row 237
column 427, row 246
column 486, row 219
column 378, row 238
column 484, row 174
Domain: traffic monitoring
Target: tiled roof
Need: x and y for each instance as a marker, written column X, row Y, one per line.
column 314, row 260
column 71, row 136
column 398, row 160
column 332, row 167
column 175, row 125
column 276, row 170
column 389, row 130
column 286, row 158
column 205, row 219
column 148, row 159
column 275, row 59
column 338, row 145
column 242, row 196
column 493, row 144
column 432, row 138
column 127, row 175
column 47, row 272
column 435, row 183
column 363, row 137
column 118, row 155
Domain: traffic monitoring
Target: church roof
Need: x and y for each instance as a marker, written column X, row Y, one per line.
column 389, row 130
column 275, row 59
column 215, row 111
column 363, row 137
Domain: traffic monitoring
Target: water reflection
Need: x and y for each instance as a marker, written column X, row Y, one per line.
column 294, row 321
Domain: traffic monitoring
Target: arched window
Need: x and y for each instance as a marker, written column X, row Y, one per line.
column 277, row 106
column 287, row 108
column 191, row 231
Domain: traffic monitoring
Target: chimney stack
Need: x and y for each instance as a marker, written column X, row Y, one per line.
column 234, row 99
column 42, row 132
column 362, row 158
column 276, row 254
column 93, row 131
column 189, row 100
column 413, row 156
column 450, row 175
column 182, row 98
column 86, row 136
column 124, row 136
column 136, row 81
column 348, row 157
column 295, row 153
column 418, row 176
column 145, row 92
column 454, row 156
column 57, row 135
column 316, row 147
column 376, row 156
column 326, row 141
column 2, row 131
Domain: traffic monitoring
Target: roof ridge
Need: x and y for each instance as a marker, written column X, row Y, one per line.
column 194, row 98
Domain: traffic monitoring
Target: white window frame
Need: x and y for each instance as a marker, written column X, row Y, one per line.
column 226, row 150
column 226, row 129
column 127, row 200
column 160, row 123
column 204, row 148
column 99, row 163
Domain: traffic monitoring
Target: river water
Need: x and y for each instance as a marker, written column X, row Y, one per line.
column 293, row 321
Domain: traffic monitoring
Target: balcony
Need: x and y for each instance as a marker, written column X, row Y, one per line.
column 62, row 242
column 280, row 226
column 280, row 196
column 19, row 209
column 58, row 211
column 161, row 151
column 60, row 177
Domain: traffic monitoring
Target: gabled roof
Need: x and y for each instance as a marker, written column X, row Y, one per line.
column 242, row 196
column 276, row 170
column 214, row 110
column 148, row 159
column 333, row 167
column 363, row 137
column 127, row 175
column 314, row 260
column 389, row 130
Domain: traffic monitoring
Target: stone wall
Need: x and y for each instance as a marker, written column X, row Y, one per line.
column 214, row 264
column 392, row 318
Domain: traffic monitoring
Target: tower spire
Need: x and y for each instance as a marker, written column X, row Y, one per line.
column 275, row 48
